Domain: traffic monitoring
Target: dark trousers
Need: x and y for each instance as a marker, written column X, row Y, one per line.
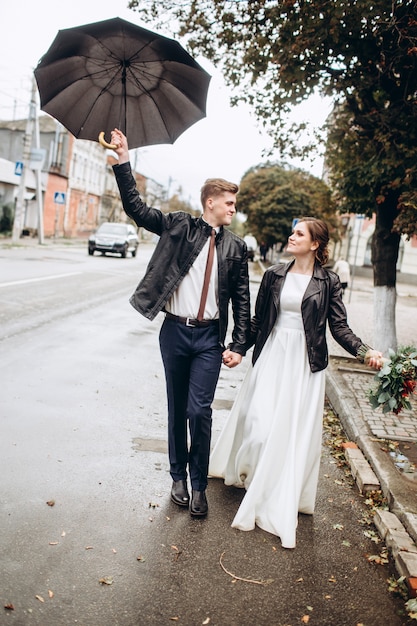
column 192, row 359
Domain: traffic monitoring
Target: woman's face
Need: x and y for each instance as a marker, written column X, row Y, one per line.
column 300, row 242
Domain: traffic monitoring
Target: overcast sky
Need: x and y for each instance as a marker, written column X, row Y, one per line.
column 226, row 143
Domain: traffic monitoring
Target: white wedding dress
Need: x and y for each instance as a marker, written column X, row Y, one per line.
column 271, row 442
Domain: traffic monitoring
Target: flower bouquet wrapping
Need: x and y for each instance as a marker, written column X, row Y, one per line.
column 396, row 381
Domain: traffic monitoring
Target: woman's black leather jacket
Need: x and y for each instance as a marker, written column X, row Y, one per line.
column 322, row 303
column 182, row 237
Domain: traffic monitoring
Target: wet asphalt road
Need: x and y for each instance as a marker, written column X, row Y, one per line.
column 82, row 418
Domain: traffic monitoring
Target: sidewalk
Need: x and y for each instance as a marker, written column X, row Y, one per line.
column 358, row 379
column 386, row 455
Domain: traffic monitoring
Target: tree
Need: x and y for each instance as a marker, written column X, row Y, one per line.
column 361, row 53
column 176, row 203
column 272, row 195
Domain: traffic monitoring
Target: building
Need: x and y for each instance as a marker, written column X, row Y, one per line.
column 355, row 245
column 78, row 186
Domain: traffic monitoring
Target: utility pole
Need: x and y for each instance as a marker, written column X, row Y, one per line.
column 27, row 145
column 39, row 199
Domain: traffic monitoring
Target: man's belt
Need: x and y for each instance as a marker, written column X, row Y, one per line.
column 189, row 321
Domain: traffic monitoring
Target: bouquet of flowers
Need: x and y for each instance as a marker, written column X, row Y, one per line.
column 397, row 380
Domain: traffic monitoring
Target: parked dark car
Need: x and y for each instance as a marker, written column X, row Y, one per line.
column 114, row 237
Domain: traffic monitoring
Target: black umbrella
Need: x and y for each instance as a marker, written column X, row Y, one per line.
column 114, row 74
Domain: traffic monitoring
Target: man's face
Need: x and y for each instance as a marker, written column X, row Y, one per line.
column 220, row 209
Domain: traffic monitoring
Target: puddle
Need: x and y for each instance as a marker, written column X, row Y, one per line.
column 149, row 445
column 404, row 464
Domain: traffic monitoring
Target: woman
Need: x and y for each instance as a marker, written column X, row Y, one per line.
column 271, row 442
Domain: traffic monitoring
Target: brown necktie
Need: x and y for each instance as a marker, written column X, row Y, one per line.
column 207, row 275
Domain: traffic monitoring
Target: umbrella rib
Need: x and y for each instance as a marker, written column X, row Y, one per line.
column 113, row 80
column 138, row 82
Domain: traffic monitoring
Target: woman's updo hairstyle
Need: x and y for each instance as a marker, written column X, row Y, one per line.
column 319, row 232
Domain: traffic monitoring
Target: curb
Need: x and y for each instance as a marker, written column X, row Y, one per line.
column 371, row 472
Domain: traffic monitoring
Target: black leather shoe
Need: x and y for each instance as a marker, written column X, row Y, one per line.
column 179, row 493
column 199, row 505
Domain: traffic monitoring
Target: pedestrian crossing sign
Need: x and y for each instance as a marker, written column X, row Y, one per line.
column 59, row 197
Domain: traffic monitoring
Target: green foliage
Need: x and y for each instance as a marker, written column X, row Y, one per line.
column 272, row 195
column 278, row 53
column 396, row 381
column 176, row 203
column 361, row 53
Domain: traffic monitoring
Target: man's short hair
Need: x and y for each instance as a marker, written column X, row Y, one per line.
column 215, row 187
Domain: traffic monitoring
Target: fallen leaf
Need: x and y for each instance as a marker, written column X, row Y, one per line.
column 50, row 502
column 380, row 559
column 106, row 580
column 373, row 535
column 328, row 597
column 168, row 518
column 174, row 619
column 206, row 621
column 114, row 550
column 63, row 533
column 332, row 579
column 141, row 558
column 398, row 586
column 346, row 543
column 89, row 547
column 338, row 526
column 40, row 598
column 299, row 580
column 53, row 543
column 9, row 606
column 305, row 619
column 50, row 593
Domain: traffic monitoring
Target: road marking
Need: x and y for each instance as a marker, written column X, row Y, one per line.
column 36, row 280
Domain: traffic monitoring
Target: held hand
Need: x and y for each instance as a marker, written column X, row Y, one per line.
column 374, row 359
column 231, row 359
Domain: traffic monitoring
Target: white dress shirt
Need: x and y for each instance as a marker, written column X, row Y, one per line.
column 185, row 301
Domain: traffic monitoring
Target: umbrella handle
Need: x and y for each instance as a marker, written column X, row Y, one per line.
column 103, row 142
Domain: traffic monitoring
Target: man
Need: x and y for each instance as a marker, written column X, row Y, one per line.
column 193, row 332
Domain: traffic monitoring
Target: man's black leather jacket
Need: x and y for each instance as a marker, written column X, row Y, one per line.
column 181, row 239
column 322, row 303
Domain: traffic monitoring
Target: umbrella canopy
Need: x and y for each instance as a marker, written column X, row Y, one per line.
column 114, row 74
